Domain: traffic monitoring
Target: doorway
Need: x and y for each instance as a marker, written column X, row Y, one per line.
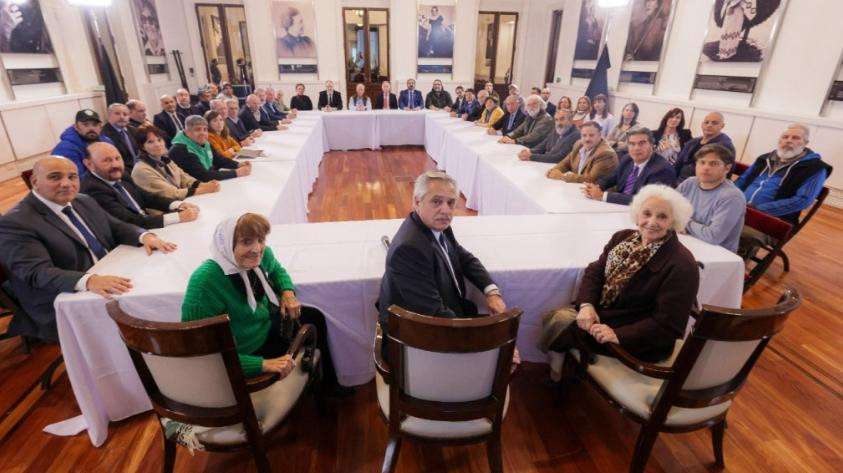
column 225, row 43
column 495, row 50
column 366, row 38
column 553, row 47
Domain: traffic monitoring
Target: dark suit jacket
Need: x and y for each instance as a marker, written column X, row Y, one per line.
column 106, row 195
column 119, row 143
column 221, row 168
column 550, row 109
column 302, row 102
column 42, row 256
column 272, row 112
column 163, row 122
column 186, row 112
column 554, row 147
column 417, row 277
column 249, row 122
column 406, row 101
column 237, row 130
column 393, row 101
column 652, row 310
column 336, row 100
column 501, row 125
column 685, row 165
column 656, row 171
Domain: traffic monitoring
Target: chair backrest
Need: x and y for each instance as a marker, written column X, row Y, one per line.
column 739, row 168
column 719, row 353
column 768, row 225
column 190, row 370
column 450, row 369
column 26, row 176
column 811, row 211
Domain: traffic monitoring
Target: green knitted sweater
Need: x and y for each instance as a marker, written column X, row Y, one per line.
column 211, row 293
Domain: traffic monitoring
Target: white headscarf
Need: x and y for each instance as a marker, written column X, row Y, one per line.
column 222, row 251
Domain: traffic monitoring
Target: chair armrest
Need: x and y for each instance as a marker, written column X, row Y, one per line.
column 261, row 381
column 647, row 369
column 305, row 335
column 380, row 363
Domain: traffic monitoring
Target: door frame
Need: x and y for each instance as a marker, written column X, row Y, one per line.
column 553, row 47
column 371, row 87
column 226, row 41
column 501, row 89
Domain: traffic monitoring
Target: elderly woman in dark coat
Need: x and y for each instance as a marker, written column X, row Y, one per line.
column 640, row 292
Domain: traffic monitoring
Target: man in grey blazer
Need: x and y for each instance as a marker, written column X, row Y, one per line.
column 425, row 266
column 534, row 128
column 52, row 237
column 558, row 142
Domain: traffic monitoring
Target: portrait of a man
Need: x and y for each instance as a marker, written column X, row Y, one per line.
column 647, row 29
column 294, row 22
column 590, row 32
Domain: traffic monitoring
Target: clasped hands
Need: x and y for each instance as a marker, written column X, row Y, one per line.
column 589, row 321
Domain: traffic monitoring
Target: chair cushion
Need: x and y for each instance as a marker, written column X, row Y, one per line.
column 637, row 392
column 437, row 429
column 271, row 404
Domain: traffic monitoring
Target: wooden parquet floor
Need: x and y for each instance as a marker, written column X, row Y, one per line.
column 788, row 418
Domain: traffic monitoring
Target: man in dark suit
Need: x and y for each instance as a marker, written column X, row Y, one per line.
column 511, row 119
column 459, row 101
column 137, row 114
column 550, row 108
column 168, row 120
column 113, row 189
column 641, row 166
column 203, row 104
column 410, row 98
column 183, row 106
column 558, row 142
column 235, row 124
column 117, row 130
column 425, row 266
column 386, row 97
column 255, row 118
column 52, row 237
column 329, row 99
column 271, row 108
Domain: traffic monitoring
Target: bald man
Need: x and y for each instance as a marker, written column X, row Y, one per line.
column 183, row 106
column 110, row 185
column 50, row 239
column 712, row 133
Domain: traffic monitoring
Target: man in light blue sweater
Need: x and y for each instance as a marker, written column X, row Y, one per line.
column 719, row 206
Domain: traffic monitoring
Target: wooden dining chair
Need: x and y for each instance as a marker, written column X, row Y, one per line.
column 445, row 381
column 778, row 230
column 695, row 387
column 192, row 374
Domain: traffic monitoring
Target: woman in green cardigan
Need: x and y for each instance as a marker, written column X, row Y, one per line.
column 244, row 280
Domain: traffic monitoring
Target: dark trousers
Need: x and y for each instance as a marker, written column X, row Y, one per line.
column 278, row 341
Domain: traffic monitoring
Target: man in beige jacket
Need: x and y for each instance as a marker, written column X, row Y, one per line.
column 589, row 160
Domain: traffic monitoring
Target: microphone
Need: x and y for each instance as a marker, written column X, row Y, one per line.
column 385, row 242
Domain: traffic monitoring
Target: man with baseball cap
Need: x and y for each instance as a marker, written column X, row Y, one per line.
column 75, row 139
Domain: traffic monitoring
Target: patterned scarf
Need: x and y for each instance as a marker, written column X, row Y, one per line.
column 624, row 260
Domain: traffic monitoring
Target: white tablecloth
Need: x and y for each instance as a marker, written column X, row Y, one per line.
column 535, row 259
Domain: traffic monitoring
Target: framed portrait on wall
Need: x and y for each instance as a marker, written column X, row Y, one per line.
column 647, row 29
column 436, row 31
column 590, row 31
column 146, row 18
column 22, row 28
column 741, row 30
column 295, row 29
